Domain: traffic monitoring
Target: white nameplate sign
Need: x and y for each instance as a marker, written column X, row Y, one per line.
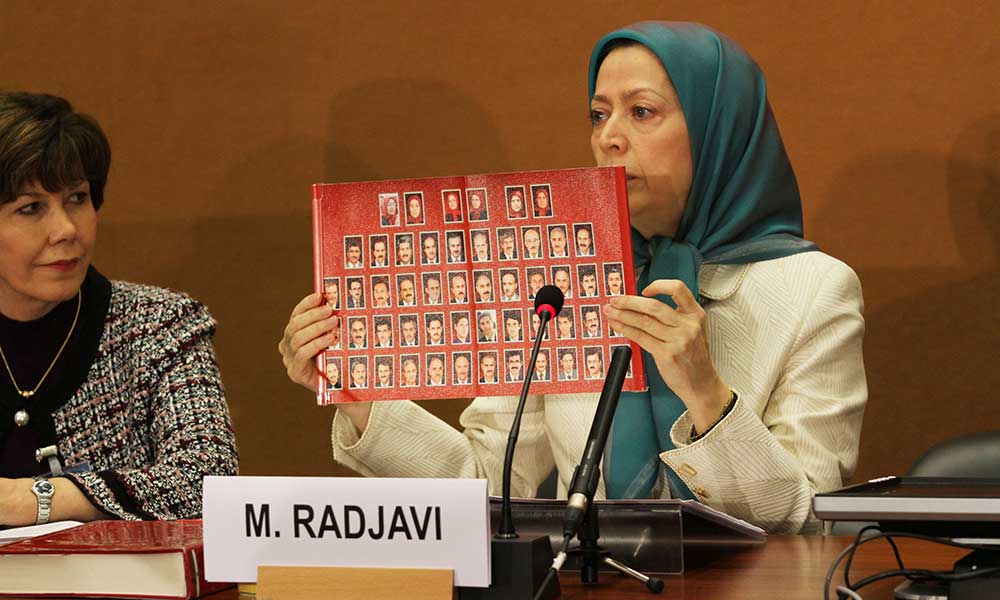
column 346, row 522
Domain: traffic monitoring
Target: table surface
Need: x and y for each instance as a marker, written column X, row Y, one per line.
column 786, row 567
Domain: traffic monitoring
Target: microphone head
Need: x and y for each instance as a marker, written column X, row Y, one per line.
column 549, row 299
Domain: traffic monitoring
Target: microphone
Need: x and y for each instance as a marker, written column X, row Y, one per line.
column 548, row 302
column 588, row 472
column 519, row 565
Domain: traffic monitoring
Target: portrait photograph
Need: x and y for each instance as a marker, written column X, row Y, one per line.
column 510, row 287
column 378, row 248
column 357, row 333
column 541, row 200
column 414, row 208
column 455, row 247
column 404, row 250
column 331, row 292
column 482, row 285
column 614, row 283
column 590, row 315
column 535, row 276
column 461, row 327
column 436, row 369
column 566, row 358
column 406, row 289
column 541, row 372
column 358, row 374
column 583, row 238
column 593, row 362
column 355, row 292
column 434, row 329
column 562, row 279
column 334, row 378
column 586, row 277
column 558, row 243
column 431, row 284
column 488, row 367
column 507, row 243
column 516, row 206
column 513, row 361
column 451, row 202
column 486, row 326
column 409, row 370
column 565, row 324
column 531, row 242
column 383, row 331
column 461, row 368
column 409, row 331
column 354, row 252
column 513, row 330
column 388, row 210
column 458, row 287
column 381, row 294
column 480, row 239
column 475, row 199
column 430, row 248
column 384, row 373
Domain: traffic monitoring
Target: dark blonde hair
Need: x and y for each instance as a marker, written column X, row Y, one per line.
column 42, row 139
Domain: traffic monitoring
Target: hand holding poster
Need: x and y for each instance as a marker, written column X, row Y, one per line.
column 434, row 281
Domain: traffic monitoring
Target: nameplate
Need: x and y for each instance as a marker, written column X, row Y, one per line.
column 346, row 522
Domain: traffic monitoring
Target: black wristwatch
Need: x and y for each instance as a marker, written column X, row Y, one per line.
column 43, row 490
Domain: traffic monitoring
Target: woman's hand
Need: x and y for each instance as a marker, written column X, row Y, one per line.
column 309, row 331
column 675, row 338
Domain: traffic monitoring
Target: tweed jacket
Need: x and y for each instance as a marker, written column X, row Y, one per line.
column 151, row 418
column 785, row 334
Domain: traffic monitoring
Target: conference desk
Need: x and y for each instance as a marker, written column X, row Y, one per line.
column 786, row 567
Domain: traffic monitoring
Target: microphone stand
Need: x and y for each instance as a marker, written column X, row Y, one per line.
column 519, row 565
column 583, row 486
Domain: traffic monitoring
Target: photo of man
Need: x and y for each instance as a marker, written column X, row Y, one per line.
column 388, row 210
column 404, row 249
column 409, row 365
column 587, row 276
column 456, row 247
column 432, row 288
column 512, row 331
column 481, row 245
column 409, row 336
column 429, row 245
column 435, row 369
column 406, row 290
column 487, row 367
column 515, row 366
column 507, row 243
column 357, row 329
column 541, row 372
column 593, row 362
column 452, row 206
column 567, row 364
column 332, row 372
column 383, row 372
column 561, row 279
column 516, row 206
column 414, row 208
column 380, row 292
column 536, row 322
column 355, row 292
column 353, row 256
column 565, row 327
column 483, row 284
column 477, row 204
column 591, row 321
column 584, row 235
column 557, row 242
column 532, row 238
column 536, row 279
column 331, row 292
column 510, row 288
column 434, row 329
column 359, row 372
column 379, row 250
column 458, row 288
column 486, row 324
column 461, row 368
column 541, row 200
column 461, row 328
column 614, row 284
column 383, row 331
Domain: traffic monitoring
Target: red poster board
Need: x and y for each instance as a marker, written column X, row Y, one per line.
column 434, row 282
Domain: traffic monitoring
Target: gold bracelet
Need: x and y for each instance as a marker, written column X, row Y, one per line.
column 695, row 436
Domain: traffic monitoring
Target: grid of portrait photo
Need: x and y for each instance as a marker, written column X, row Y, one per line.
column 435, row 281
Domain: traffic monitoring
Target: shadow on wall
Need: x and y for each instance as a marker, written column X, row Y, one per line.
column 930, row 354
column 252, row 270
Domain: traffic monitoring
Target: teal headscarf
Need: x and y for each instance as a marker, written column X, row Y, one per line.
column 743, row 207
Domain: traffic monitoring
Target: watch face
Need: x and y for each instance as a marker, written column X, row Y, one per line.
column 43, row 487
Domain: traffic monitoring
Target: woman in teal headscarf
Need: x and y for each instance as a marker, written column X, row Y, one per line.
column 751, row 337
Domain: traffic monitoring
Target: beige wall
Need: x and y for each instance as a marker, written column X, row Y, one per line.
column 222, row 114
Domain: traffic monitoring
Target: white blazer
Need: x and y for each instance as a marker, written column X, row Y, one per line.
column 784, row 334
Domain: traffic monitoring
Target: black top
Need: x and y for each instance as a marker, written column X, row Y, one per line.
column 29, row 347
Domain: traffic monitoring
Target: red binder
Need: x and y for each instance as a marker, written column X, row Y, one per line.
column 109, row 559
column 434, row 278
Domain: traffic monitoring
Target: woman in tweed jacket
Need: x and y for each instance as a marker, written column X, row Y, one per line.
column 116, row 382
column 751, row 337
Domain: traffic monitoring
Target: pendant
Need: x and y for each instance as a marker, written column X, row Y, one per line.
column 21, row 418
